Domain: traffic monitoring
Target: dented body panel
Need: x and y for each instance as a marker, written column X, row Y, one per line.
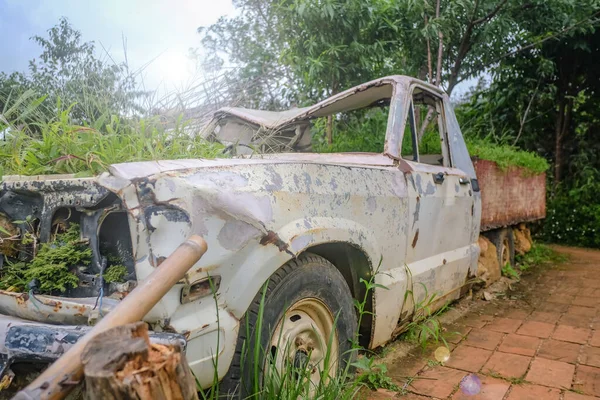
column 414, row 229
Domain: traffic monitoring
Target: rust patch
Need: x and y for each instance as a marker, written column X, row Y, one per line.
column 415, row 239
column 57, row 306
column 205, row 326
column 22, row 299
column 272, row 238
column 444, row 261
column 232, row 315
column 525, row 201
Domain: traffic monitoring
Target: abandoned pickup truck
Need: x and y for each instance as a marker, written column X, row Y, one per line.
column 308, row 227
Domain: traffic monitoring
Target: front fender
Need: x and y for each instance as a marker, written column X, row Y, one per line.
column 291, row 240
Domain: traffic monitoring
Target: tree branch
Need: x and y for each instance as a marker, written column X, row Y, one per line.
column 438, row 73
column 524, row 119
column 529, row 46
column 426, row 122
column 429, row 67
column 491, row 14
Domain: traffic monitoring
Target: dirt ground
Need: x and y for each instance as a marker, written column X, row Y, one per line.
column 538, row 340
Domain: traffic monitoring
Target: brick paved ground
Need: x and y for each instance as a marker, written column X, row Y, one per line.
column 542, row 342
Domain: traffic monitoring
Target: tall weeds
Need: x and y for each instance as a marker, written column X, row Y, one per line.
column 293, row 382
column 60, row 146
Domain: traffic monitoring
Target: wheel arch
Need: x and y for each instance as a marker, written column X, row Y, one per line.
column 354, row 265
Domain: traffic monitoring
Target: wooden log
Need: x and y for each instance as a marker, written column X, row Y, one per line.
column 121, row 363
column 66, row 372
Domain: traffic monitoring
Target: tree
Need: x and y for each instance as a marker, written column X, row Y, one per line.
column 68, row 73
column 536, row 87
column 319, row 48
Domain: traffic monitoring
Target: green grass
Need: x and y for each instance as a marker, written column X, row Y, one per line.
column 540, row 255
column 63, row 146
column 507, row 156
column 513, row 380
column 510, row 272
column 115, row 273
column 293, row 383
column 365, row 132
column 425, row 326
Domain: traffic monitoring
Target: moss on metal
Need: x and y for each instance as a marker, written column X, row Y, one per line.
column 51, row 266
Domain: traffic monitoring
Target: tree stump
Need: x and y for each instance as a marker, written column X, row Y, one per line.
column 121, row 363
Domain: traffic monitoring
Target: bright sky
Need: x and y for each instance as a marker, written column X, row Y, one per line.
column 160, row 31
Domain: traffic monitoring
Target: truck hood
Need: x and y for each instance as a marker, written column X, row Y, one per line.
column 136, row 170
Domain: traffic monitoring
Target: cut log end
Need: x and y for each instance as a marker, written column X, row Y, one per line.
column 122, row 363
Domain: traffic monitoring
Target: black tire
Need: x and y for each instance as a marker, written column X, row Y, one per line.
column 504, row 241
column 308, row 276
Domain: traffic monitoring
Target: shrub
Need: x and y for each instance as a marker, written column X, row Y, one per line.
column 573, row 216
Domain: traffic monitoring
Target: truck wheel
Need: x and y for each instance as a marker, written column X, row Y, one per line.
column 308, row 315
column 504, row 241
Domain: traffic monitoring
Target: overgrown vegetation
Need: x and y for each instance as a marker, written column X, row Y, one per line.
column 510, row 272
column 540, row 255
column 75, row 112
column 573, row 212
column 115, row 273
column 365, row 132
column 507, row 156
column 62, row 146
column 424, row 325
column 294, row 382
column 69, row 72
column 51, row 266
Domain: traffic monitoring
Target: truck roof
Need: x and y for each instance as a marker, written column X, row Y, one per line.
column 359, row 96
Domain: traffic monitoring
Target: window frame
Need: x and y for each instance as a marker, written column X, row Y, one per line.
column 442, row 128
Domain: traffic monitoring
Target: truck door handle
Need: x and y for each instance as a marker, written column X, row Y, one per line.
column 439, row 178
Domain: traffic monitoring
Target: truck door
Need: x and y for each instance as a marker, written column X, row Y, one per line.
column 441, row 202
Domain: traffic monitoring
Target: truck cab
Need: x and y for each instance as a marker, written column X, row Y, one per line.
column 294, row 234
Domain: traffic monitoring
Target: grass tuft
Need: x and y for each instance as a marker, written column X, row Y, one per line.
column 507, row 156
column 540, row 255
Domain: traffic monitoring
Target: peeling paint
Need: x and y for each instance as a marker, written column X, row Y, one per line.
column 275, row 182
column 236, row 234
column 272, row 238
column 415, row 239
column 416, row 213
column 300, row 242
column 430, row 189
column 371, row 204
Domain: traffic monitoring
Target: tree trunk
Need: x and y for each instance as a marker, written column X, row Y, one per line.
column 329, row 129
column 563, row 120
column 121, row 363
column 558, row 140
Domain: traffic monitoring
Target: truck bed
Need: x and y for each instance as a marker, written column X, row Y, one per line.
column 509, row 196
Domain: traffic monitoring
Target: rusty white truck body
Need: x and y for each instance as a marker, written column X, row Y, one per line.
column 403, row 220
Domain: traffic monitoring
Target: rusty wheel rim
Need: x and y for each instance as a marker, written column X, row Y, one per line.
column 306, row 338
